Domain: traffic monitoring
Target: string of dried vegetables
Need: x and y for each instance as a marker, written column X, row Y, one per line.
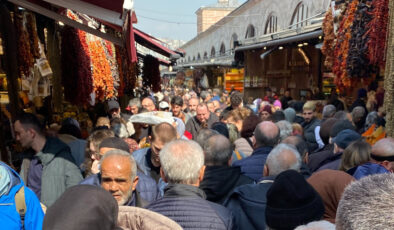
column 357, row 60
column 76, row 71
column 128, row 73
column 103, row 82
column 341, row 51
column 112, row 63
column 329, row 39
column 25, row 57
column 31, row 28
column 377, row 32
column 151, row 73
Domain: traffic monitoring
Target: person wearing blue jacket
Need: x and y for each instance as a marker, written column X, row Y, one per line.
column 10, row 219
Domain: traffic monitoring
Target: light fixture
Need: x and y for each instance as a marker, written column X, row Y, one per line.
column 280, row 48
column 61, row 23
column 305, row 43
column 306, row 59
column 320, row 37
column 265, row 47
column 170, row 68
column 300, row 45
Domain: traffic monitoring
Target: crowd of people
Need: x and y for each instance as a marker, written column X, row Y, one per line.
column 223, row 162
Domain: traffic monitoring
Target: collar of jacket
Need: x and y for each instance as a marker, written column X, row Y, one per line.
column 262, row 150
column 183, row 190
column 51, row 148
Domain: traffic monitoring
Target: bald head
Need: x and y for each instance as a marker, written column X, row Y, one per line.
column 384, row 147
column 383, row 153
column 217, row 150
column 266, row 134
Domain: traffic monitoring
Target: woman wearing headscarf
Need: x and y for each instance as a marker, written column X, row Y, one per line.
column 83, row 207
column 330, row 185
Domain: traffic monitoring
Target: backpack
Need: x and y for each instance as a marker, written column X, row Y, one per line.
column 20, row 204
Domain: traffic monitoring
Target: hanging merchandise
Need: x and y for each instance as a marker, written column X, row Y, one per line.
column 357, row 60
column 31, row 28
column 151, row 73
column 377, row 32
column 329, row 39
column 76, row 72
column 341, row 51
column 25, row 57
column 110, row 55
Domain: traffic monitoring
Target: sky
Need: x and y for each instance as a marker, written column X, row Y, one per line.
column 170, row 19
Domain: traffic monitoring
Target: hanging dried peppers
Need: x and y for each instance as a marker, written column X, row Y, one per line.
column 76, row 71
column 151, row 73
column 357, row 60
column 329, row 39
column 377, row 33
column 25, row 57
column 341, row 51
column 103, row 82
column 128, row 72
column 31, row 28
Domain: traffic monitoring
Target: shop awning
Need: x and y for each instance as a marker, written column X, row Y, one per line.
column 153, row 43
column 282, row 41
column 115, row 13
column 161, row 61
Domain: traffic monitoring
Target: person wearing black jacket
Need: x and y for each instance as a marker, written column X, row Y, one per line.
column 220, row 179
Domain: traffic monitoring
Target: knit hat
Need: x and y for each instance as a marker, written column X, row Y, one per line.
column 292, row 201
column 221, row 128
column 112, row 104
column 345, row 137
column 290, row 114
column 267, row 108
column 339, row 126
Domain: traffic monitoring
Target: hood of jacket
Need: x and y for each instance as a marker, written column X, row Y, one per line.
column 53, row 146
column 140, row 219
column 219, row 181
column 253, row 201
column 15, row 179
column 369, row 169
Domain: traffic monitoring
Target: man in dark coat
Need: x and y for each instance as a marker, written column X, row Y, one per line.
column 220, row 179
column 267, row 136
column 182, row 167
column 310, row 124
column 248, row 202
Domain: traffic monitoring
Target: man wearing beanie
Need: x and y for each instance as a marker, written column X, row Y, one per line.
column 330, row 128
column 341, row 142
column 291, row 202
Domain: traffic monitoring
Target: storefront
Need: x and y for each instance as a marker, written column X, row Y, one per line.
column 293, row 62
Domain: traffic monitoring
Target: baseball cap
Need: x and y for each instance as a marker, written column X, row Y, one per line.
column 164, row 105
column 345, row 137
column 113, row 105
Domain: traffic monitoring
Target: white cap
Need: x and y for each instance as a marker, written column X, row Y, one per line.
column 164, row 105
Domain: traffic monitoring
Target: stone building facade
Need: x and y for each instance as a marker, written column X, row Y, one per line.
column 247, row 24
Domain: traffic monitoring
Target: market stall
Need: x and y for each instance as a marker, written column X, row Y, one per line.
column 355, row 38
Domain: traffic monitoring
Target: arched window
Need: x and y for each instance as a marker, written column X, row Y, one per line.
column 222, row 49
column 205, row 56
column 299, row 16
column 194, row 58
column 271, row 26
column 188, row 59
column 234, row 38
column 213, row 51
column 250, row 32
column 198, row 56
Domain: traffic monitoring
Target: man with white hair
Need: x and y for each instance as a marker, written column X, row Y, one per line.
column 182, row 167
column 248, row 202
column 367, row 204
column 119, row 177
